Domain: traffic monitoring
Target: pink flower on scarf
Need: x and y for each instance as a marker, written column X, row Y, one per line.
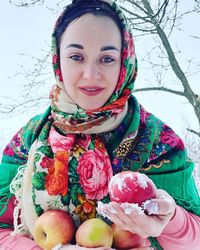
column 60, row 142
column 8, row 151
column 129, row 39
column 84, row 142
column 55, row 59
column 144, row 115
column 124, row 54
column 170, row 138
column 59, row 74
column 46, row 162
column 122, row 77
column 95, row 171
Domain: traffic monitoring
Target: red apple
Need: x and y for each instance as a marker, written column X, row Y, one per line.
column 131, row 187
column 94, row 233
column 53, row 227
column 125, row 240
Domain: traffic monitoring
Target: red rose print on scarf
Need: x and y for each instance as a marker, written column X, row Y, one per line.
column 95, row 170
column 59, row 74
column 46, row 162
column 84, row 142
column 8, row 151
column 144, row 115
column 170, row 138
column 130, row 45
column 55, row 59
column 121, row 78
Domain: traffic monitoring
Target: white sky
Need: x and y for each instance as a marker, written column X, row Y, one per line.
column 23, row 30
column 28, row 30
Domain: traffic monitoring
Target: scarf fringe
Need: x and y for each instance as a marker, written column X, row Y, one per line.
column 16, row 188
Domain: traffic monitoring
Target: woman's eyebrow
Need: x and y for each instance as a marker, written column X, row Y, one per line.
column 74, row 45
column 79, row 46
column 110, row 47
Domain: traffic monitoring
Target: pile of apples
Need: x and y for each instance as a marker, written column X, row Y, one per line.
column 56, row 226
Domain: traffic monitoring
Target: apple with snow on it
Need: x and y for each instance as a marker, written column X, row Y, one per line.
column 53, row 227
column 125, row 240
column 94, row 233
column 131, row 187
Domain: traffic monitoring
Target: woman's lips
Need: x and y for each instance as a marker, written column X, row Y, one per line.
column 91, row 90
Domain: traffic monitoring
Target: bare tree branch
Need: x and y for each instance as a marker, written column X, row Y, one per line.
column 17, row 107
column 25, row 3
column 151, row 17
column 194, row 132
column 160, row 89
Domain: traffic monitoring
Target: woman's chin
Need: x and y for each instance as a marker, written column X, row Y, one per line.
column 90, row 108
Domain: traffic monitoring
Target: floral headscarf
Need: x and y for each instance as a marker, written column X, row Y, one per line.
column 77, row 120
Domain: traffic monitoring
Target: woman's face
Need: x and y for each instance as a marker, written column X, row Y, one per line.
column 90, row 57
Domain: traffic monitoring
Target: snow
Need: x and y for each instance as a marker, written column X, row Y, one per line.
column 118, row 181
column 142, row 180
column 131, row 207
column 105, row 209
column 150, row 207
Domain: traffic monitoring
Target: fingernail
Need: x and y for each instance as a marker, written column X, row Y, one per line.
column 150, row 207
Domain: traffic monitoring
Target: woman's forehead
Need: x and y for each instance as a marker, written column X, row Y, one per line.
column 92, row 29
column 92, row 21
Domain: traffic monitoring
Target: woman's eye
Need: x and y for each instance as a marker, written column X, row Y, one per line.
column 107, row 59
column 76, row 58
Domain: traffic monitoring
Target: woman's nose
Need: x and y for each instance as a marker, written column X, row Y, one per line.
column 91, row 71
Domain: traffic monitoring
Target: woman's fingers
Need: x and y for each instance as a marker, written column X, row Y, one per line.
column 163, row 204
column 150, row 220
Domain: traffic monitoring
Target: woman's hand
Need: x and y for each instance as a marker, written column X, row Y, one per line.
column 162, row 209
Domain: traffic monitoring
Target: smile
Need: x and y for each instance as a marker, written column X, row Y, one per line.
column 91, row 91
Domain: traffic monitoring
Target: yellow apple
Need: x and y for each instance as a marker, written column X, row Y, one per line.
column 53, row 227
column 125, row 240
column 94, row 233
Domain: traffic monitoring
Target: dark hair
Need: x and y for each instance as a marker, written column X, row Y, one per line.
column 80, row 7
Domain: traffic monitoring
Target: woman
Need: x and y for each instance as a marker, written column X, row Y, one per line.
column 94, row 129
